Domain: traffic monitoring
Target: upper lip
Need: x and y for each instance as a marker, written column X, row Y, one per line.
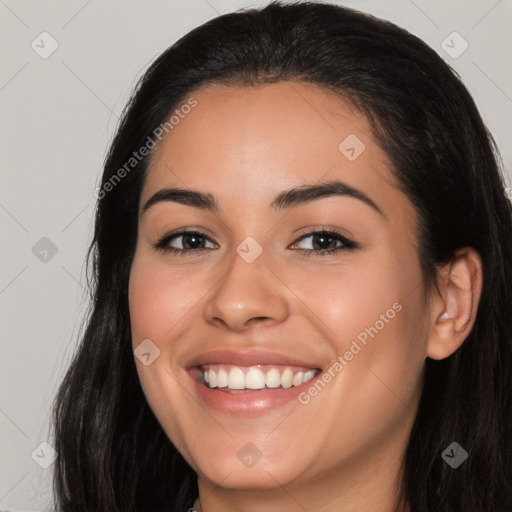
column 246, row 358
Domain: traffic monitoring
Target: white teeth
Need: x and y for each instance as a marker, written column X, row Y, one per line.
column 309, row 375
column 298, row 379
column 273, row 378
column 236, row 378
column 287, row 378
column 222, row 378
column 255, row 378
column 212, row 379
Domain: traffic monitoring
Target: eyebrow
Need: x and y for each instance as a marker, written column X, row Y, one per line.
column 287, row 199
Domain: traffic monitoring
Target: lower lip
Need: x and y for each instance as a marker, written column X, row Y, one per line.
column 248, row 403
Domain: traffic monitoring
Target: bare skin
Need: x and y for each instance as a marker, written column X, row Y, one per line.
column 342, row 448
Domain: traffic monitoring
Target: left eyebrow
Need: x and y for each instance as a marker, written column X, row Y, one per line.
column 308, row 193
column 288, row 199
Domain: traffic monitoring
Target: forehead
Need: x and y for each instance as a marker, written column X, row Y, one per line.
column 251, row 142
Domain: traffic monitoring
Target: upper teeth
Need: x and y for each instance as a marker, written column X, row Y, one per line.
column 254, row 377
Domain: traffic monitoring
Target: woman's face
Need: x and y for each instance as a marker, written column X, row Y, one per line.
column 258, row 298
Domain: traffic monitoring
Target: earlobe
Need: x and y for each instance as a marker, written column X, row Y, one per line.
column 453, row 310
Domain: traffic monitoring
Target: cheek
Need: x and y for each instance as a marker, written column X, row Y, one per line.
column 158, row 300
column 161, row 303
column 375, row 324
column 374, row 319
column 367, row 295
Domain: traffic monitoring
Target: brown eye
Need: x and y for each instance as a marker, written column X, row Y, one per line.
column 324, row 242
column 185, row 242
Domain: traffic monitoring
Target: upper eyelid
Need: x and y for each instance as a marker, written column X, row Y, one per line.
column 187, row 231
column 348, row 242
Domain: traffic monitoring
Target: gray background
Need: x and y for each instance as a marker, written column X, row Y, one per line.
column 58, row 116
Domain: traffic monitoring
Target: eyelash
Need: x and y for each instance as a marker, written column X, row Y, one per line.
column 163, row 243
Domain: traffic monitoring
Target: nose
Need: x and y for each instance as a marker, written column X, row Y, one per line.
column 248, row 294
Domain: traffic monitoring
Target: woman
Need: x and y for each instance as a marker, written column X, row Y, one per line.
column 302, row 289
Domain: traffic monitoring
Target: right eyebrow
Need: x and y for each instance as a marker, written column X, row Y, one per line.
column 178, row 195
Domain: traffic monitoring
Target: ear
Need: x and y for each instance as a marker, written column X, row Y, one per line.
column 453, row 309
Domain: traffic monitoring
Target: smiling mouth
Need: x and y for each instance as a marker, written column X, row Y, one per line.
column 239, row 379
